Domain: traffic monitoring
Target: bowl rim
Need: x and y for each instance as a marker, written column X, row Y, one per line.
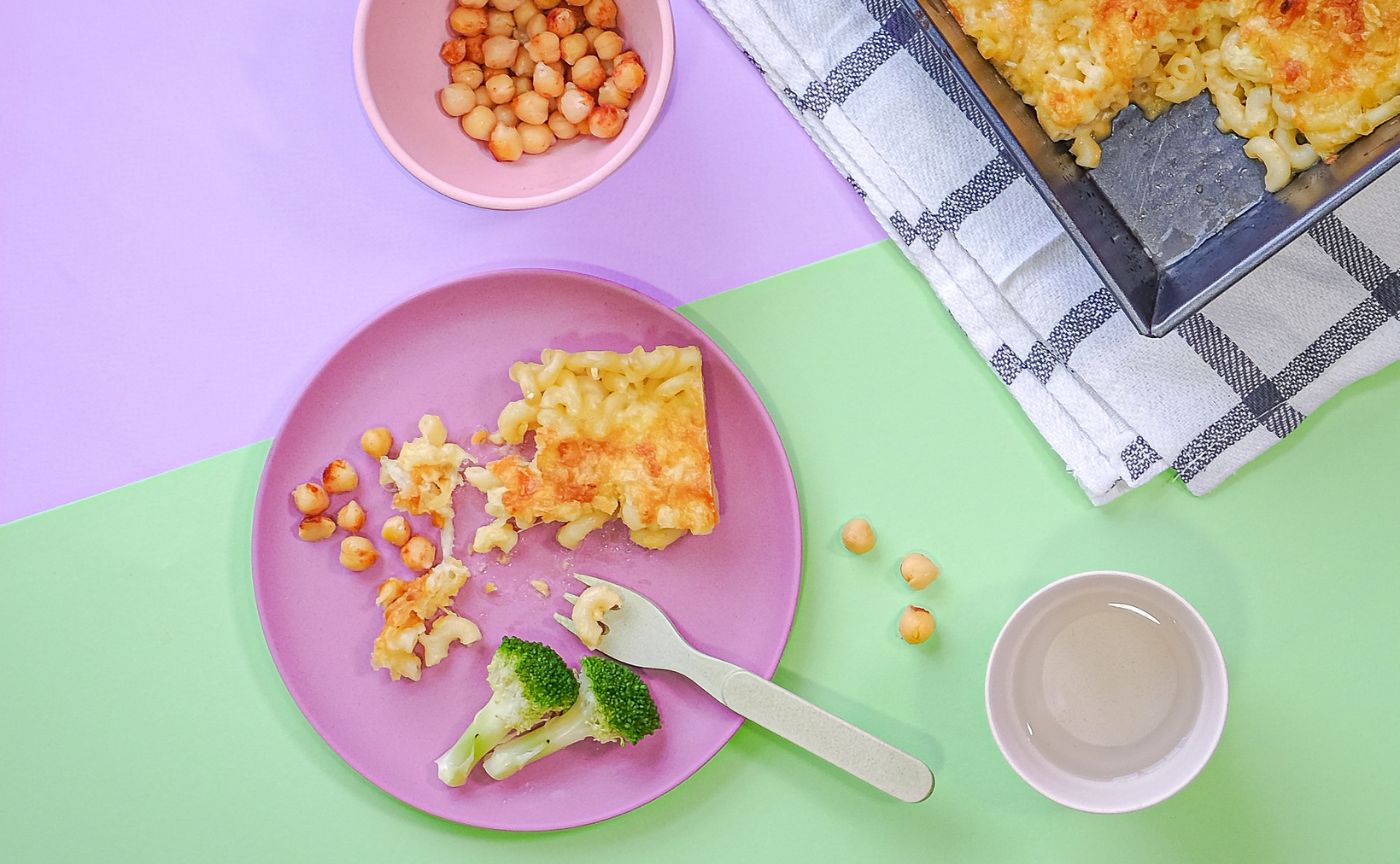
column 660, row 78
column 1211, row 723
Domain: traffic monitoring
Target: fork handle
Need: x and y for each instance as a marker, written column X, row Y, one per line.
column 852, row 750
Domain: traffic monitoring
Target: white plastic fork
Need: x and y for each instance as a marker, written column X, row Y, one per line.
column 640, row 634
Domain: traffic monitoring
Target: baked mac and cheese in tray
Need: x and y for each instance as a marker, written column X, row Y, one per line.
column 1299, row 79
column 617, row 436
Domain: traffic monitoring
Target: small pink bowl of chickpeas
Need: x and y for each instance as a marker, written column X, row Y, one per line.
column 513, row 104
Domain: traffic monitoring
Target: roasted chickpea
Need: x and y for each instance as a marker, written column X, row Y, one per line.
column 418, row 553
column 543, row 48
column 479, row 122
column 547, row 82
column 858, row 536
column 535, row 138
column 563, row 22
column 601, row 13
column 611, row 94
column 453, row 51
column 916, row 625
column 376, row 442
column 396, row 530
column 561, row 127
column 499, row 23
column 467, row 21
column 351, row 517
column 588, row 73
column 608, row 45
column 523, row 65
column 573, row 48
column 313, row 528
column 500, row 88
column 575, row 105
column 524, row 12
column 628, row 75
column 522, row 85
column 468, row 73
column 500, row 51
column 339, row 476
column 606, row 121
column 507, row 5
column 546, row 5
column 504, row 117
column 530, row 107
column 472, row 4
column 310, row 499
column 505, row 143
column 535, row 26
column 357, row 553
column 918, row 570
column 457, row 99
column 475, row 54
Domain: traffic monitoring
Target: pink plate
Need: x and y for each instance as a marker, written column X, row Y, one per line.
column 447, row 351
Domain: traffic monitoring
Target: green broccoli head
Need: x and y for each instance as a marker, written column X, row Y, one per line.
column 613, row 705
column 623, row 707
column 537, row 672
column 529, row 682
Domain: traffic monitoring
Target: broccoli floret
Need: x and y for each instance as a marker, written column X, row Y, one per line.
column 529, row 682
column 613, row 705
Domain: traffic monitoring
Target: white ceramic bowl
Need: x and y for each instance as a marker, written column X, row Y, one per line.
column 1069, row 716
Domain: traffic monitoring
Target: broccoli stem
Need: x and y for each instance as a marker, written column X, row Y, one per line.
column 487, row 729
column 568, row 728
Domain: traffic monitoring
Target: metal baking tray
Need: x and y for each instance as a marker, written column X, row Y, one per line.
column 1175, row 213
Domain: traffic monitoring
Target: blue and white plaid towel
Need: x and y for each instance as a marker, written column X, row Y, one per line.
column 863, row 79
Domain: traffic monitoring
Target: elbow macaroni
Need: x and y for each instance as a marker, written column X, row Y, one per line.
column 1298, row 80
column 617, row 436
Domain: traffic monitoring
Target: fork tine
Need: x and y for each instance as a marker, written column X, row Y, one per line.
column 572, row 598
column 565, row 623
column 590, row 580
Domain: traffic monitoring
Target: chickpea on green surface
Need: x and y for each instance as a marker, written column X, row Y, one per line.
column 916, row 625
column 918, row 570
column 858, row 537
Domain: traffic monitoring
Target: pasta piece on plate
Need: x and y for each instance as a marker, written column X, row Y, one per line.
column 408, row 608
column 424, row 475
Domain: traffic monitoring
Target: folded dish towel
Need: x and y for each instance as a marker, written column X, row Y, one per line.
column 864, row 80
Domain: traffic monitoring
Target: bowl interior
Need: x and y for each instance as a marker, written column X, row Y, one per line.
column 400, row 75
column 1201, row 693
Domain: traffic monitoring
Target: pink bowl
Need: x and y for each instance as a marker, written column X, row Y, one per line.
column 398, row 73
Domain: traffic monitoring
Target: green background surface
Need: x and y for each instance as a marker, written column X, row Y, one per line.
column 144, row 719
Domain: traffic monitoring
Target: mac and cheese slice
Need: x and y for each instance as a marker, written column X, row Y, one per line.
column 617, row 436
column 1300, row 79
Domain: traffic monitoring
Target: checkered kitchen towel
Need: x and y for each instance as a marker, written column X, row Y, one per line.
column 866, row 82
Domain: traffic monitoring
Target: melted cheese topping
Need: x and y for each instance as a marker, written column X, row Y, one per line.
column 617, row 436
column 1299, row 78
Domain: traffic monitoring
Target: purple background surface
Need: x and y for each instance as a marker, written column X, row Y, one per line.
column 194, row 213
